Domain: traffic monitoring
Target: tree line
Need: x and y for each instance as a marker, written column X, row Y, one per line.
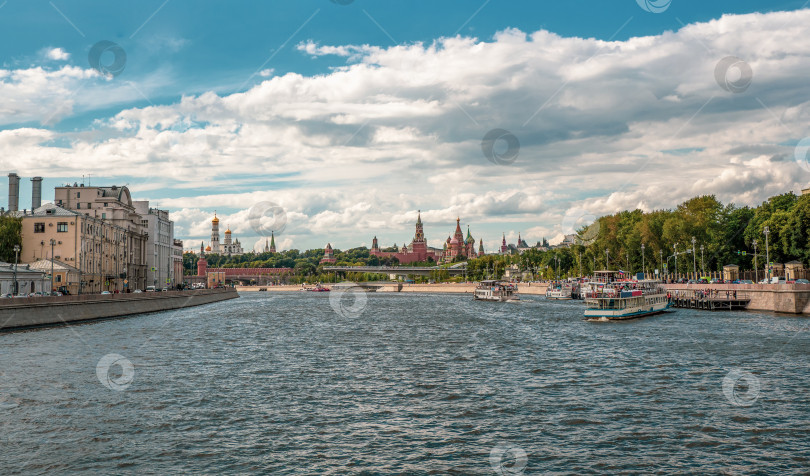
column 615, row 242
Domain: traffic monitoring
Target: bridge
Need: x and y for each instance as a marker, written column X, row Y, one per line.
column 455, row 270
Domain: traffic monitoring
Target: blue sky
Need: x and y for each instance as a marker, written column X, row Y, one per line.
column 332, row 85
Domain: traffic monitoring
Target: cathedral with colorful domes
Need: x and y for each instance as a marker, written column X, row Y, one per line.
column 230, row 247
column 418, row 251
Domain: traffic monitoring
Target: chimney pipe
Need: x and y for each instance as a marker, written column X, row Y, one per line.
column 13, row 192
column 36, row 193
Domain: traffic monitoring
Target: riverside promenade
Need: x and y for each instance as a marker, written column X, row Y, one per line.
column 20, row 313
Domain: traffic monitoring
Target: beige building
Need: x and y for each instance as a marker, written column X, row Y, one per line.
column 112, row 205
column 177, row 260
column 101, row 251
column 66, row 278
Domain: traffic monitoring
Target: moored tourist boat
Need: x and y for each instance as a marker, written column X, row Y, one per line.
column 318, row 289
column 608, row 299
column 559, row 292
column 494, row 290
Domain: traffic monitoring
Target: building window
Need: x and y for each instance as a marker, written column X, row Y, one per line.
column 58, row 278
column 78, row 194
column 103, row 216
column 39, row 228
column 62, row 227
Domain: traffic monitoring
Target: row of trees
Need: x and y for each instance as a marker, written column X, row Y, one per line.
column 611, row 242
column 721, row 233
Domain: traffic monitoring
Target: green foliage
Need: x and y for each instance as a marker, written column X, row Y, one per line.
column 10, row 235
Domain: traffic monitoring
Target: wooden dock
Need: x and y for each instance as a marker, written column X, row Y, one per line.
column 715, row 302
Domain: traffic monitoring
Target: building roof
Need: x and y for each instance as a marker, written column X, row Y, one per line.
column 45, row 265
column 22, row 269
column 48, row 210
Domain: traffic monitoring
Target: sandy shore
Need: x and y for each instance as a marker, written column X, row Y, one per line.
column 440, row 288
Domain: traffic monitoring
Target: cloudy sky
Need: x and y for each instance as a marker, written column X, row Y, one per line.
column 517, row 116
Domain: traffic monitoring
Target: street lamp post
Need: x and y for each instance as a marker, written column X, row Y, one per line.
column 607, row 259
column 15, row 290
column 702, row 265
column 694, row 259
column 756, row 266
column 661, row 259
column 643, row 269
column 767, row 231
column 675, row 248
column 53, row 242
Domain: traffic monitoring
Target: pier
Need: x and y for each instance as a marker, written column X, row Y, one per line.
column 711, row 301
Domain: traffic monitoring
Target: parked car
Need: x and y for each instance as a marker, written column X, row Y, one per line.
column 746, row 281
column 105, row 292
column 718, row 281
column 150, row 289
column 164, row 290
column 137, row 291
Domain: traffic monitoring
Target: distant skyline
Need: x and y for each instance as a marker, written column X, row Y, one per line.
column 352, row 117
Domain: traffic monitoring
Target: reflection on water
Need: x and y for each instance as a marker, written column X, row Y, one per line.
column 413, row 384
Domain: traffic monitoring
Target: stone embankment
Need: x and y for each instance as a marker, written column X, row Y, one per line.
column 16, row 313
column 787, row 298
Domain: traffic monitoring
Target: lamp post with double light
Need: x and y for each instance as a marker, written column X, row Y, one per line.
column 767, row 231
column 15, row 289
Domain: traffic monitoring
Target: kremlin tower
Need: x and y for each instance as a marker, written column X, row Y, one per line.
column 215, row 235
column 272, row 247
column 328, row 256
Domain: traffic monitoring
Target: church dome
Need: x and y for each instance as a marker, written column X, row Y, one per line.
column 208, row 248
column 215, row 220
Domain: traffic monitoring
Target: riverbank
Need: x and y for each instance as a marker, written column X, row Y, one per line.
column 437, row 288
column 59, row 310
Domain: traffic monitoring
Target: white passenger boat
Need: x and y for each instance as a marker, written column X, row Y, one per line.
column 608, row 299
column 559, row 292
column 493, row 290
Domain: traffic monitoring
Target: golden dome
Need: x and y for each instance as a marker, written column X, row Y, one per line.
column 208, row 248
column 215, row 220
column 228, row 231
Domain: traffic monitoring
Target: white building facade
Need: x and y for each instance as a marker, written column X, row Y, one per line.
column 160, row 257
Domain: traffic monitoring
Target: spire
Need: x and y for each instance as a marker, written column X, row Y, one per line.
column 419, row 217
column 481, row 247
column 272, row 242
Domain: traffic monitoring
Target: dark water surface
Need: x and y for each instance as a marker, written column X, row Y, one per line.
column 417, row 384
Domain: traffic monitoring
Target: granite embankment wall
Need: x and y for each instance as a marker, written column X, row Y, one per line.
column 58, row 310
column 788, row 298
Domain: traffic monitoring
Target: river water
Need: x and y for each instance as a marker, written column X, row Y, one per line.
column 409, row 384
